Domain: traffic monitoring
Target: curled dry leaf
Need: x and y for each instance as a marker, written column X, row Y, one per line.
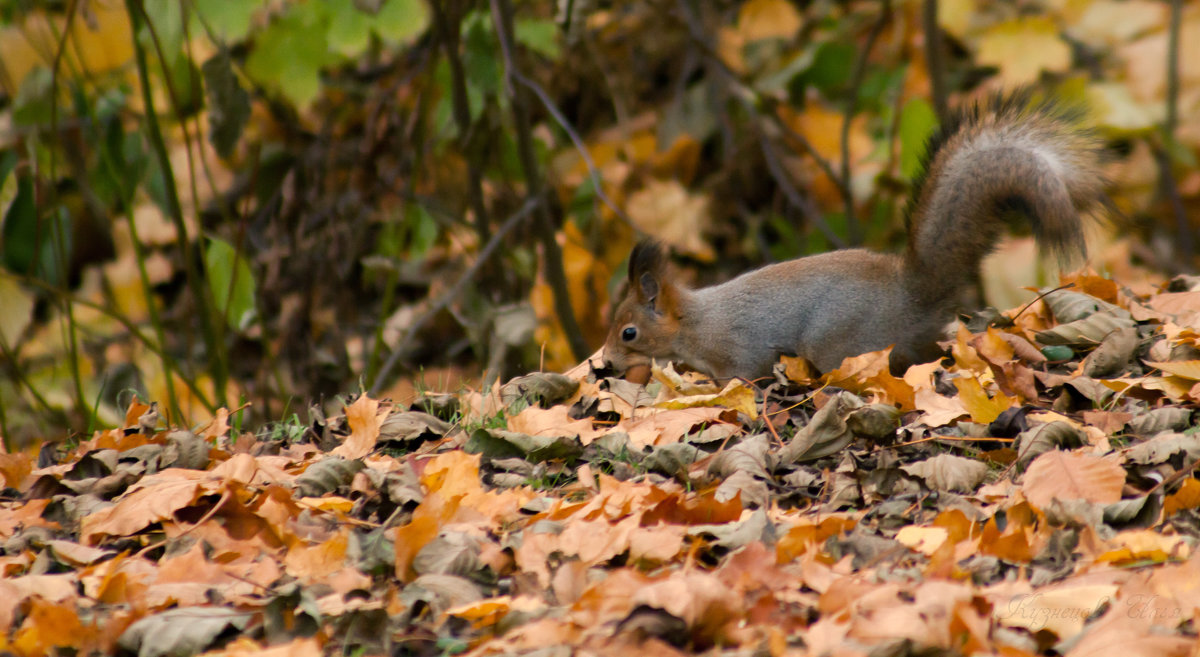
column 327, row 475
column 1085, row 332
column 946, row 472
column 1169, row 418
column 182, row 631
column 1069, row 306
column 827, row 432
column 1114, row 355
column 1047, row 437
column 542, row 388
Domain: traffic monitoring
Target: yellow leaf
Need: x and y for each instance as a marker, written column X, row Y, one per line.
column 955, row 17
column 736, row 395
column 1145, row 545
column 1188, row 369
column 1187, row 497
column 977, row 403
column 483, row 613
column 926, row 540
column 332, row 503
column 768, row 19
column 1024, row 47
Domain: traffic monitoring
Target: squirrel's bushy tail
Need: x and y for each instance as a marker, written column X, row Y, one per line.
column 1006, row 155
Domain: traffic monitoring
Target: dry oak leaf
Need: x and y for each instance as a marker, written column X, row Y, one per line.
column 1071, row 476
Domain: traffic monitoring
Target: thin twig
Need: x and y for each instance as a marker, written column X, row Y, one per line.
column 853, row 227
column 1168, row 186
column 556, row 276
column 137, row 18
column 935, row 58
column 447, row 29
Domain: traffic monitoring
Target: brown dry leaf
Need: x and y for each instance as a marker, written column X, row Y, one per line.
column 246, row 647
column 946, row 472
column 157, row 499
column 365, row 419
column 671, row 213
column 553, row 421
column 14, row 468
column 1120, row 633
column 452, row 474
column 699, row 599
column 1187, row 497
column 938, row 410
column 49, row 625
column 869, row 373
column 768, row 19
column 1072, row 476
column 668, row 426
column 310, row 563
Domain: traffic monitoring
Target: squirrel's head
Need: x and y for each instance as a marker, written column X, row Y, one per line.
column 646, row 321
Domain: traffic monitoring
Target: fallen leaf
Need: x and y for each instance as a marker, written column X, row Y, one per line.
column 1071, row 476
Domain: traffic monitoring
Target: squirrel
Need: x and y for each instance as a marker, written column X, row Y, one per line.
column 992, row 158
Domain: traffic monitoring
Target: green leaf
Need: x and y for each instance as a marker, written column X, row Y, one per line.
column 540, row 36
column 31, row 242
column 32, row 103
column 832, row 67
column 917, row 123
column 401, row 21
column 481, row 56
column 424, row 232
column 349, row 28
column 228, row 103
column 232, row 283
column 228, row 20
column 289, row 53
column 167, row 20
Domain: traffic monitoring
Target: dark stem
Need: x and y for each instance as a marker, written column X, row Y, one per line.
column 502, row 16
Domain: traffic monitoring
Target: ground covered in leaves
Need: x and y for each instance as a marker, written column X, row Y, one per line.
column 1031, row 494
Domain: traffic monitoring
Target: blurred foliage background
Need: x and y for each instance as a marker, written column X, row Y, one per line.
column 261, row 205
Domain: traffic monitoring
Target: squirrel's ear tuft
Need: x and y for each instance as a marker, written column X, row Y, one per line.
column 647, row 258
column 647, row 264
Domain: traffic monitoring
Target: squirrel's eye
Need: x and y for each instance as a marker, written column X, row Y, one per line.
column 629, row 334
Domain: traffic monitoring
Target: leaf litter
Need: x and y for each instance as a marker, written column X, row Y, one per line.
column 1000, row 502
